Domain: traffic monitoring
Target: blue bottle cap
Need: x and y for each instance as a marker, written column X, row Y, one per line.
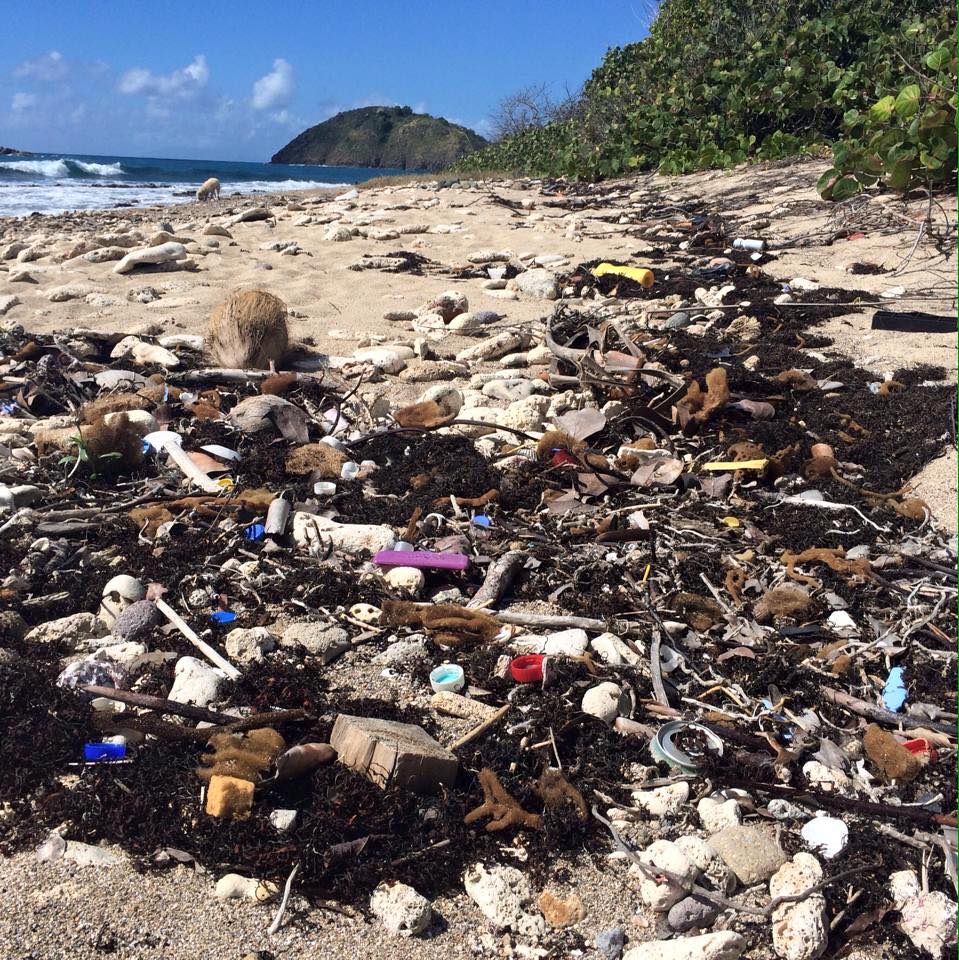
column 100, row 752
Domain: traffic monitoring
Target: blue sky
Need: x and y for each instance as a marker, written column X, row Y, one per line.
column 236, row 80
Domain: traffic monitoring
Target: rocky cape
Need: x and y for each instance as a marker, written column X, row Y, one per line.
column 393, row 137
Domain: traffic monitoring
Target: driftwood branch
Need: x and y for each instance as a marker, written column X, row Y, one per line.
column 866, row 807
column 481, row 728
column 548, row 621
column 873, row 712
column 287, row 887
column 155, row 727
column 215, row 658
column 499, row 576
column 149, row 702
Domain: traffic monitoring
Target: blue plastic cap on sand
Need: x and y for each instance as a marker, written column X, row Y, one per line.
column 98, row 752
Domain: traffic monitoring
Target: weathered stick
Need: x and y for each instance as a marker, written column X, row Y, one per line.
column 278, row 919
column 548, row 620
column 151, row 725
column 230, row 375
column 884, row 810
column 881, row 715
column 154, row 726
column 499, row 576
column 159, row 703
column 269, row 719
column 201, row 645
column 481, row 728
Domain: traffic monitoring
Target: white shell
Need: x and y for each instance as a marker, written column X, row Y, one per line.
column 129, row 588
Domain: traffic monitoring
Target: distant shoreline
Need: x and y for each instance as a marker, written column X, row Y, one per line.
column 189, row 207
column 57, row 183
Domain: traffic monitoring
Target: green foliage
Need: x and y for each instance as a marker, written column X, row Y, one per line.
column 907, row 138
column 718, row 82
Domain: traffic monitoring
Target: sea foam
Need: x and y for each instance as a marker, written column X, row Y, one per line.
column 66, row 167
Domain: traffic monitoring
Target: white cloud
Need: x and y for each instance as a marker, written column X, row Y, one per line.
column 183, row 82
column 22, row 102
column 276, row 88
column 48, row 67
column 284, row 118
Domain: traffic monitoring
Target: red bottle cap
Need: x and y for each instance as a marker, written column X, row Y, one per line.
column 919, row 746
column 528, row 668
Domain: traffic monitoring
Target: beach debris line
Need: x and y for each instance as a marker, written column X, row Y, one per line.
column 648, row 599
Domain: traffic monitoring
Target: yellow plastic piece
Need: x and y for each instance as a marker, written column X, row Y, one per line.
column 736, row 465
column 639, row 275
column 731, row 522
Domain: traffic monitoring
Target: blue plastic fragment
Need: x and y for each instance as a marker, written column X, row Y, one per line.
column 223, row 616
column 99, row 752
column 481, row 520
column 7, row 408
column 894, row 693
column 255, row 531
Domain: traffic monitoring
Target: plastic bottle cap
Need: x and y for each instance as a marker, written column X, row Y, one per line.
column 528, row 668
column 324, row 488
column 98, row 752
column 447, row 676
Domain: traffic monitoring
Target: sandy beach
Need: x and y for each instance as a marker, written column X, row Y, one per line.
column 304, row 252
column 339, row 310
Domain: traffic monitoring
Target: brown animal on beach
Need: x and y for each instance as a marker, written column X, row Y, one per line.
column 248, row 331
column 208, row 190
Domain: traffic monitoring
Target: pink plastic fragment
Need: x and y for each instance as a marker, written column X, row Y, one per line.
column 422, row 559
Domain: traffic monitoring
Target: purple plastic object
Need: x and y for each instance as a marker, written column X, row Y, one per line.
column 422, row 559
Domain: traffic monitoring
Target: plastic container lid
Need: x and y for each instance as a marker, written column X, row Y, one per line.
column 447, row 676
column 528, row 668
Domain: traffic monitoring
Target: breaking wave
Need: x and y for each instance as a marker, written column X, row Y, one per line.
column 62, row 168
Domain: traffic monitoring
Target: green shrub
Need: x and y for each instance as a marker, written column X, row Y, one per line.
column 907, row 138
column 721, row 81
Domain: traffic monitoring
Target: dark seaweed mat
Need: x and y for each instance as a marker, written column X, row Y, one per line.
column 41, row 726
column 154, row 803
column 414, row 470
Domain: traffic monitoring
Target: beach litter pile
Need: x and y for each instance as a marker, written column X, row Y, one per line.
column 642, row 584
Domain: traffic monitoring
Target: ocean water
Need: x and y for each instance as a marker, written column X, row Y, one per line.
column 54, row 183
